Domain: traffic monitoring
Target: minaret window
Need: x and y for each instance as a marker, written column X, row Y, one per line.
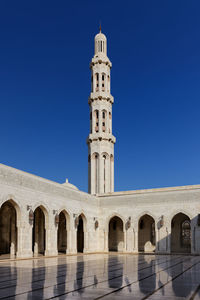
column 96, row 120
column 104, row 121
column 103, row 82
column 110, row 122
column 97, row 82
column 108, row 84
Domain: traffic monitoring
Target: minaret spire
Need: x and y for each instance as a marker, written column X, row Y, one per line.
column 100, row 140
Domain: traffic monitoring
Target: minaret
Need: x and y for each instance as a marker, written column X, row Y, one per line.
column 100, row 140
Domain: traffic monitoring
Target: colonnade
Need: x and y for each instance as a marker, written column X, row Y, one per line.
column 71, row 235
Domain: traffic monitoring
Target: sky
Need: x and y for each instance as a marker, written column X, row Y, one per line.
column 45, row 51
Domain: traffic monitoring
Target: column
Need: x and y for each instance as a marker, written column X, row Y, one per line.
column 106, row 241
column 92, row 176
column 108, row 174
column 101, row 175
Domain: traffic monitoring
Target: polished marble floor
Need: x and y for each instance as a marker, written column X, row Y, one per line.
column 102, row 276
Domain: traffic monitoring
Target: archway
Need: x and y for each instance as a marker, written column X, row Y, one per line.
column 146, row 234
column 116, row 234
column 62, row 232
column 80, row 234
column 181, row 234
column 8, row 228
column 39, row 232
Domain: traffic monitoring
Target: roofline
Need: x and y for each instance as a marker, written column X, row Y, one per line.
column 154, row 190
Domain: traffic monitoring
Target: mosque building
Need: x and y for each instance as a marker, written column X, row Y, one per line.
column 42, row 217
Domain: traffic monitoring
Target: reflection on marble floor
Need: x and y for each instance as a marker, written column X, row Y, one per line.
column 98, row 276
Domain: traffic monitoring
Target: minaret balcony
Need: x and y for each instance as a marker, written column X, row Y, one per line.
column 101, row 96
column 101, row 136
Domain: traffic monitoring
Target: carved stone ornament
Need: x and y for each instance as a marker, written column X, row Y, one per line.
column 76, row 222
column 31, row 215
column 96, row 224
column 57, row 219
column 161, row 221
column 128, row 224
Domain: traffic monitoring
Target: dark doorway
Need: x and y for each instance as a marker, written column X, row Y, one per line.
column 39, row 232
column 8, row 229
column 116, row 234
column 80, row 235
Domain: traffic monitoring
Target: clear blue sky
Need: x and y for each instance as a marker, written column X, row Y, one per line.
column 45, row 51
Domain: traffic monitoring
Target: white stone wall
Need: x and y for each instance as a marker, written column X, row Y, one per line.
column 24, row 190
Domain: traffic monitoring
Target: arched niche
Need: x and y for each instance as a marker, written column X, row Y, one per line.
column 81, row 229
column 146, row 234
column 181, row 234
column 40, row 222
column 63, row 230
column 9, row 218
column 116, row 234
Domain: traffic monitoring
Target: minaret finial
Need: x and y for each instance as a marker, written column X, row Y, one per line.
column 100, row 26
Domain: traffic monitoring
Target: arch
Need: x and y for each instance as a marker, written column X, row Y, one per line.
column 12, row 199
column 103, row 82
column 116, row 234
column 96, row 82
column 110, row 122
column 115, row 214
column 108, row 83
column 8, row 227
column 183, row 211
column 63, row 231
column 181, row 233
column 146, row 233
column 40, row 224
column 81, row 232
column 104, row 120
column 45, row 210
column 96, row 120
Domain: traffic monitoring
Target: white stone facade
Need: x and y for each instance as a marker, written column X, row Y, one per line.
column 38, row 216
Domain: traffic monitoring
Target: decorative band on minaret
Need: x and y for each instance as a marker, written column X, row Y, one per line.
column 100, row 140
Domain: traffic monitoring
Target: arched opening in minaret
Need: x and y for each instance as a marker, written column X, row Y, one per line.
column 97, row 81
column 110, row 123
column 62, row 231
column 108, row 84
column 104, row 116
column 181, row 234
column 146, row 234
column 96, row 117
column 103, row 82
column 39, row 232
column 116, row 234
column 81, row 228
column 8, row 228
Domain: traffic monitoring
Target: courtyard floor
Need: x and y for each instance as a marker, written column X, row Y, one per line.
column 102, row 276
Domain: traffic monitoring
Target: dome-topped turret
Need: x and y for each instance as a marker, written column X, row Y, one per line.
column 100, row 43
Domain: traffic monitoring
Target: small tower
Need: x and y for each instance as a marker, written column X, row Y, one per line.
column 100, row 140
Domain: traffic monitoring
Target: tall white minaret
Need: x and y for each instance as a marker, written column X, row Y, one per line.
column 100, row 140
